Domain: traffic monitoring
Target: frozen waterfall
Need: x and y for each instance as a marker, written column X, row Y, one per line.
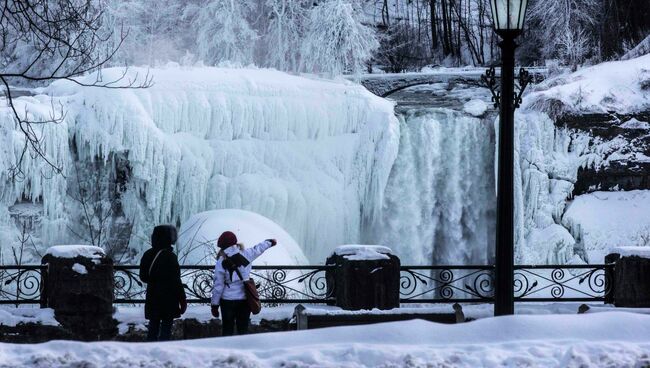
column 439, row 201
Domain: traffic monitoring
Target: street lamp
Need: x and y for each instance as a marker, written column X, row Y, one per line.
column 508, row 20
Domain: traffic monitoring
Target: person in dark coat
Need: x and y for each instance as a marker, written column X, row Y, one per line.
column 166, row 298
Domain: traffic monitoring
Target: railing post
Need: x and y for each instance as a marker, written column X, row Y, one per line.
column 365, row 277
column 79, row 287
column 610, row 277
column 631, row 286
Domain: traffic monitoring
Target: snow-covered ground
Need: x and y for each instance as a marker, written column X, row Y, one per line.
column 132, row 317
column 591, row 340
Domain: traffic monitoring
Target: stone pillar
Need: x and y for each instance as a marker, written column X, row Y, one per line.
column 78, row 285
column 631, row 284
column 365, row 277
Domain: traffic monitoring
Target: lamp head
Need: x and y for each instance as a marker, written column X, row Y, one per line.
column 508, row 16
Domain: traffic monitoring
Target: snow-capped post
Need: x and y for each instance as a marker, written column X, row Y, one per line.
column 365, row 277
column 78, row 285
column 631, row 279
column 508, row 20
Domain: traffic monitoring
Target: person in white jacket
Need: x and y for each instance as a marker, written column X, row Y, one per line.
column 234, row 264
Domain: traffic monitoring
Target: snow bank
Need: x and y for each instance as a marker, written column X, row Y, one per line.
column 197, row 241
column 607, row 220
column 312, row 155
column 72, row 251
column 363, row 252
column 133, row 317
column 589, row 340
column 14, row 316
column 613, row 86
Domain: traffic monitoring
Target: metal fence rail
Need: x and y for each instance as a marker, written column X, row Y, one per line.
column 276, row 284
column 568, row 283
column 444, row 284
column 21, row 284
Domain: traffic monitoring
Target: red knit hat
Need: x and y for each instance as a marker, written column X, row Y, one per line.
column 227, row 239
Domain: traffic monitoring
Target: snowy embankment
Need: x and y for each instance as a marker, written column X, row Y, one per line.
column 591, row 340
column 549, row 157
column 607, row 220
column 313, row 155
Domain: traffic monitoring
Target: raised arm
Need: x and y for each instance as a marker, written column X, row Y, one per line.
column 252, row 253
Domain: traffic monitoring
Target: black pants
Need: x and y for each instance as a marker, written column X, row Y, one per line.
column 234, row 312
column 160, row 330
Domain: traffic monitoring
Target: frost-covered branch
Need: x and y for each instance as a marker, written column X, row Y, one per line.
column 51, row 40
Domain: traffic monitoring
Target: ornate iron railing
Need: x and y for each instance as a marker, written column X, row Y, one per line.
column 21, row 284
column 578, row 283
column 276, row 284
column 307, row 284
column 442, row 284
column 548, row 283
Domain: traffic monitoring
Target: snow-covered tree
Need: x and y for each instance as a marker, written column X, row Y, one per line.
column 336, row 41
column 284, row 33
column 565, row 24
column 154, row 32
column 223, row 31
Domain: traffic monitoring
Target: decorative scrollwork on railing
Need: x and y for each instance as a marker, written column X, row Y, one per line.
column 276, row 284
column 442, row 284
column 20, row 284
column 562, row 282
column 308, row 284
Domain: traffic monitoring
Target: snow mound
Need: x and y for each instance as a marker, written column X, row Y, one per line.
column 12, row 317
column 643, row 252
column 355, row 252
column 635, row 124
column 608, row 220
column 612, row 86
column 79, row 268
column 72, row 251
column 589, row 340
column 475, row 107
column 197, row 240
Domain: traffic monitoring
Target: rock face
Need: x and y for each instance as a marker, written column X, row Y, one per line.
column 623, row 143
column 365, row 278
column 79, row 287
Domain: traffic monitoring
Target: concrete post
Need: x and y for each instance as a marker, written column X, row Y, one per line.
column 631, row 284
column 365, row 277
column 78, row 285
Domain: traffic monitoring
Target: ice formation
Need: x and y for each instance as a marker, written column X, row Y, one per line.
column 312, row 155
column 325, row 160
column 548, row 159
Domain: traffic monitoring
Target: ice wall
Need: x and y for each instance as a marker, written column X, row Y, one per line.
column 312, row 155
column 439, row 202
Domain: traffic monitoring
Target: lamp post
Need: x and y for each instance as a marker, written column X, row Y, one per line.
column 508, row 20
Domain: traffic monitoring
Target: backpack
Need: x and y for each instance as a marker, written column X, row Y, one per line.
column 250, row 289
